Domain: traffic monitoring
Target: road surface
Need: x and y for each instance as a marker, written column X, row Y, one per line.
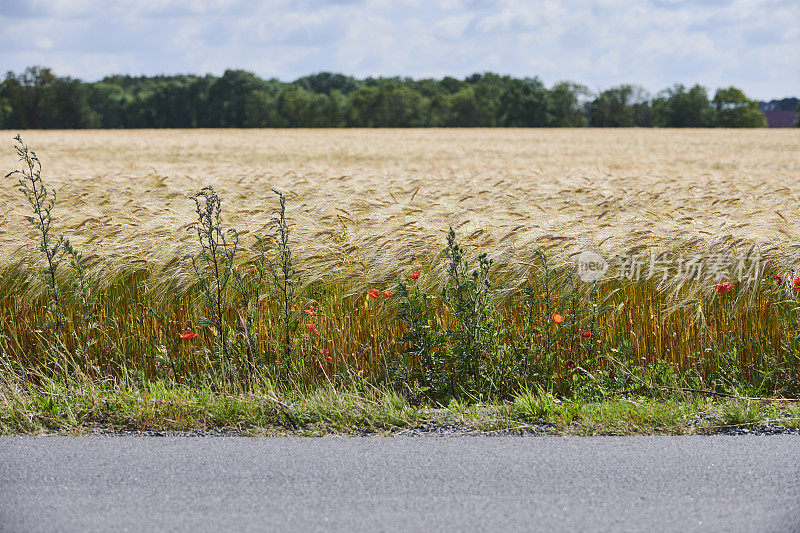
column 722, row 483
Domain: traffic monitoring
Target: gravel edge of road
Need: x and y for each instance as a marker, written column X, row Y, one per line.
column 426, row 429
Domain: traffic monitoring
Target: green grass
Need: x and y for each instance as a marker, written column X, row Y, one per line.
column 163, row 406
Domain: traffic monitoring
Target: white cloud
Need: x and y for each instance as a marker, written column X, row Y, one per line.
column 752, row 44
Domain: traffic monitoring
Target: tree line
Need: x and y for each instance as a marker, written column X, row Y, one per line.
column 39, row 99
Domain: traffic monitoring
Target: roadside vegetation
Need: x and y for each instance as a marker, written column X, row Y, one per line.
column 246, row 340
column 84, row 407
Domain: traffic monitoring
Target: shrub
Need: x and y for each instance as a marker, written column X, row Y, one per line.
column 467, row 297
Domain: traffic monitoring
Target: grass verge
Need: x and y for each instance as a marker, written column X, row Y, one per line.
column 165, row 407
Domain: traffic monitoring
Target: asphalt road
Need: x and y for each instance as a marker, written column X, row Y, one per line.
column 650, row 484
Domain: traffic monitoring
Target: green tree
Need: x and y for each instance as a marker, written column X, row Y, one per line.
column 402, row 107
column 175, row 103
column 5, row 112
column 463, row 109
column 69, row 105
column 261, row 111
column 641, row 105
column 678, row 107
column 612, row 108
column 30, row 96
column 108, row 101
column 623, row 106
column 300, row 108
column 227, row 97
column 37, row 98
column 387, row 105
column 489, row 89
column 565, row 107
column 451, row 85
column 478, row 101
column 361, row 107
column 735, row 110
column 334, row 108
column 524, row 103
column 327, row 82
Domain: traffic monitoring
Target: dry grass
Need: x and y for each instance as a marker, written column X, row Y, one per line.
column 365, row 203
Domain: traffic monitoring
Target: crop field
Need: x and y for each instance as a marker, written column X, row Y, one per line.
column 364, row 202
column 365, row 209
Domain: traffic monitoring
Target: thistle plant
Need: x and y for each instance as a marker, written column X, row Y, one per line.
column 467, row 296
column 284, row 276
column 214, row 264
column 41, row 199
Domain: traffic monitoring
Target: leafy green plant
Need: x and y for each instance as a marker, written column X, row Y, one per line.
column 214, row 264
column 285, row 278
column 423, row 370
column 467, row 296
column 41, row 200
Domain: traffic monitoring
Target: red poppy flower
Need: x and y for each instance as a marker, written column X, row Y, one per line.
column 188, row 335
column 311, row 311
column 387, row 294
column 328, row 359
column 725, row 287
column 570, row 364
column 312, row 326
column 324, row 351
column 558, row 319
column 415, row 275
column 374, row 293
column 586, row 334
column 796, row 283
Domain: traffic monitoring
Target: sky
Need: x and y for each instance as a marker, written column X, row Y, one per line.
column 750, row 44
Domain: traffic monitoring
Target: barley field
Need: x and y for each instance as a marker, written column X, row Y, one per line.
column 368, row 207
column 367, row 202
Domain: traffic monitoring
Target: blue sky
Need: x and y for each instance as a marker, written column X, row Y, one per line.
column 752, row 44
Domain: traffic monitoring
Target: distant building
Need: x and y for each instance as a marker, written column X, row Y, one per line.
column 780, row 119
column 780, row 113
